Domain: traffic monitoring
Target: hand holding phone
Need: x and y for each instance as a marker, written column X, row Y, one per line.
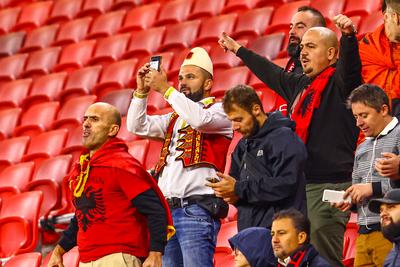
column 212, row 180
column 155, row 62
column 334, row 196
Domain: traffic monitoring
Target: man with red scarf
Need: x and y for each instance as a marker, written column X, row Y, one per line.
column 316, row 102
column 121, row 216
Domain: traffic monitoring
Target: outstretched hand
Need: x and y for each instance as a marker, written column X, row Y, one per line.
column 345, row 24
column 228, row 43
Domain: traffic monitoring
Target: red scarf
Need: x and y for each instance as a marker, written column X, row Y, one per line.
column 296, row 259
column 114, row 154
column 309, row 102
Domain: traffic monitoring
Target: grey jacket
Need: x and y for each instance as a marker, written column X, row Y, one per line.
column 364, row 167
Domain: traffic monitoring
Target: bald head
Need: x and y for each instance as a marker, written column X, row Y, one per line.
column 319, row 49
column 101, row 122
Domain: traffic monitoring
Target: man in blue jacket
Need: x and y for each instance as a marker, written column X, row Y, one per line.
column 267, row 170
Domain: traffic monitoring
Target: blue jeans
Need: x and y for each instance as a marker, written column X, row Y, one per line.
column 194, row 242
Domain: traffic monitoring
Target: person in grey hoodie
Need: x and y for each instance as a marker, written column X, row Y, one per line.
column 267, row 170
column 253, row 248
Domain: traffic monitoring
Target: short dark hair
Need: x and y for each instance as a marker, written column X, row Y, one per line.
column 243, row 96
column 316, row 13
column 393, row 4
column 300, row 222
column 370, row 95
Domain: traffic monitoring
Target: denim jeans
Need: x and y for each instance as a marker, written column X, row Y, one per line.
column 195, row 239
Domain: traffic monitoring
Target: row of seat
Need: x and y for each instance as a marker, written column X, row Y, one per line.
column 48, row 12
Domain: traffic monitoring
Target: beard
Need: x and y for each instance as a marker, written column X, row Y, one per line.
column 256, row 127
column 195, row 96
column 293, row 49
column 391, row 231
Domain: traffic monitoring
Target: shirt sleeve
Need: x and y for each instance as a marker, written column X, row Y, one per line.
column 211, row 120
column 68, row 239
column 133, row 184
column 138, row 122
column 148, row 204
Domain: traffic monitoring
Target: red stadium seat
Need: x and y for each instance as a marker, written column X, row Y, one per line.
column 12, row 67
column 106, row 24
column 176, row 65
column 8, row 121
column 31, row 259
column 180, row 36
column 40, row 38
column 224, row 259
column 349, row 244
column 110, row 49
column 140, row 18
column 75, row 56
column 64, row 10
column 282, row 16
column 45, row 145
column 41, row 62
column 268, row 45
column 227, row 230
column 173, row 12
column 73, row 31
column 12, row 93
column 252, row 23
column 73, row 145
column 361, row 8
column 271, row 3
column 125, row 4
column 37, row 119
column 94, row 8
column 11, row 43
column 120, row 99
column 145, row 43
column 47, row 178
column 232, row 214
column 153, row 156
column 206, row 8
column 12, row 150
column 45, row 88
column 370, row 23
column 236, row 138
column 268, row 98
column 329, row 8
column 238, row 6
column 139, row 149
column 80, row 82
column 33, row 15
column 8, row 18
column 116, row 76
column 71, row 113
column 155, row 102
column 17, row 176
column 19, row 223
column 124, row 134
column 228, row 79
column 211, row 29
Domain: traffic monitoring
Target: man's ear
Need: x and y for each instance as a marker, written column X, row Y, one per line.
column 256, row 109
column 385, row 109
column 114, row 129
column 208, row 85
column 332, row 53
column 302, row 237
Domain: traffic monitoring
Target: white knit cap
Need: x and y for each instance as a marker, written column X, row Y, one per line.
column 199, row 57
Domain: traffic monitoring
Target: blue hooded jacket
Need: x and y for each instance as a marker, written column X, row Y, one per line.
column 255, row 245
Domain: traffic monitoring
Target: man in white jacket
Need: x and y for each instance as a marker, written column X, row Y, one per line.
column 196, row 139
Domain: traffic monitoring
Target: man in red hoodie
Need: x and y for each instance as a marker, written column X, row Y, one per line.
column 121, row 216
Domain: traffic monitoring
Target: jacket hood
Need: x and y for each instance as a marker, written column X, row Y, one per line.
column 275, row 120
column 255, row 244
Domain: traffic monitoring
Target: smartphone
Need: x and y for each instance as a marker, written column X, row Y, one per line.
column 155, row 62
column 212, row 180
column 334, row 196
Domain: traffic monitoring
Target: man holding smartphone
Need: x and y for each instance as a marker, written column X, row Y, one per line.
column 370, row 106
column 196, row 139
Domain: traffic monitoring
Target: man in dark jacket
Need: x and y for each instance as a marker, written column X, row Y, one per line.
column 267, row 170
column 316, row 103
column 253, row 248
column 389, row 209
column 291, row 241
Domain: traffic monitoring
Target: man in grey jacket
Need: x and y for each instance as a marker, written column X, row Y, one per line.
column 370, row 106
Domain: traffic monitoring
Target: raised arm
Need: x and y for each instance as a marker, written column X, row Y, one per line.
column 282, row 82
column 348, row 68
